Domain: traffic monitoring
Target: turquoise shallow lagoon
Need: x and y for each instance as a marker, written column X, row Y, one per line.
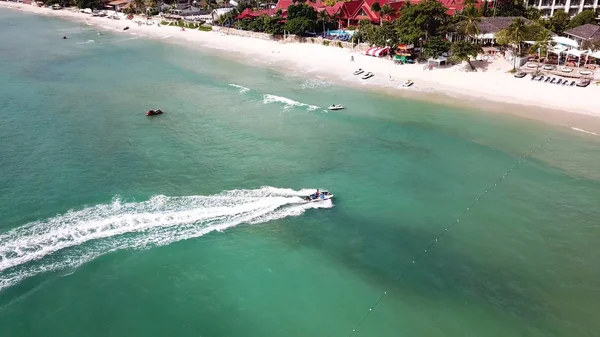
column 187, row 224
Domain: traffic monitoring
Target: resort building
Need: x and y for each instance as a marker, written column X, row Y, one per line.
column 573, row 7
column 350, row 13
column 585, row 32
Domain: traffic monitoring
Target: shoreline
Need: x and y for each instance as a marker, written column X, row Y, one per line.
column 492, row 90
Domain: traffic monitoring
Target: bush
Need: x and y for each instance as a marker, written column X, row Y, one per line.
column 339, row 44
column 326, row 42
column 205, row 28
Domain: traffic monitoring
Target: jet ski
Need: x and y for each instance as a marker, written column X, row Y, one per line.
column 368, row 75
column 336, row 107
column 319, row 196
column 359, row 71
column 154, row 112
column 407, row 84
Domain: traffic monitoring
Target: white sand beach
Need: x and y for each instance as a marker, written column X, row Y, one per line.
column 482, row 89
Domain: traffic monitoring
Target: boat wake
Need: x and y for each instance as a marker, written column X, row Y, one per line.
column 242, row 89
column 87, row 42
column 78, row 236
column 288, row 103
column 584, row 131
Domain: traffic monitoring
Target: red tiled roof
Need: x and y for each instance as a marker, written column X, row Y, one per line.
column 283, row 4
column 331, row 10
column 249, row 13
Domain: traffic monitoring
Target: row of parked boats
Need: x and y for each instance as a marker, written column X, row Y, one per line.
column 555, row 80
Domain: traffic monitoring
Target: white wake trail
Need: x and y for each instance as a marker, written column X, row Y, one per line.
column 78, row 236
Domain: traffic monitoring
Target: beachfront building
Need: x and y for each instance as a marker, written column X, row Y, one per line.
column 587, row 32
column 573, row 7
column 120, row 5
column 350, row 13
column 489, row 27
column 218, row 12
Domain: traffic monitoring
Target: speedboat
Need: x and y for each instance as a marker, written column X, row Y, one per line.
column 336, row 107
column 154, row 112
column 359, row 71
column 323, row 195
column 368, row 75
column 407, row 84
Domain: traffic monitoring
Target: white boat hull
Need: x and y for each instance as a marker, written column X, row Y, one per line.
column 327, row 197
column 322, row 197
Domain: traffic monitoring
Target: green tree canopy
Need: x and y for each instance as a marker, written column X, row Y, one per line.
column 559, row 21
column 376, row 7
column 299, row 26
column 436, row 46
column 301, row 10
column 586, row 16
column 385, row 12
column 542, row 44
column 423, row 20
column 88, row 3
column 515, row 33
column 533, row 14
column 464, row 50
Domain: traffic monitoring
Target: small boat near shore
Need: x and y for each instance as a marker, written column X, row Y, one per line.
column 336, row 107
column 154, row 112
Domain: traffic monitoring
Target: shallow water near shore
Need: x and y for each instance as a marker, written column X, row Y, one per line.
column 188, row 224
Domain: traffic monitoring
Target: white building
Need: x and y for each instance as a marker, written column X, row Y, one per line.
column 217, row 13
column 573, row 7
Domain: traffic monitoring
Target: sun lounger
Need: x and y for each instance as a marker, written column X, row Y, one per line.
column 553, row 80
column 541, row 78
column 572, row 84
column 559, row 81
column 547, row 79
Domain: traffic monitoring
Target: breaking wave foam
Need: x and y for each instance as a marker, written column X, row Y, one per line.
column 242, row 89
column 288, row 103
column 78, row 236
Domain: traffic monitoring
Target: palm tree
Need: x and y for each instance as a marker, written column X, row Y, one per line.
column 542, row 42
column 385, row 11
column 324, row 17
column 514, row 34
column 469, row 24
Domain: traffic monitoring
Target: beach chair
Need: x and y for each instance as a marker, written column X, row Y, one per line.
column 541, row 78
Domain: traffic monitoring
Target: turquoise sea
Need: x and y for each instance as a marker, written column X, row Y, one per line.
column 189, row 223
